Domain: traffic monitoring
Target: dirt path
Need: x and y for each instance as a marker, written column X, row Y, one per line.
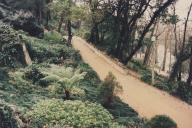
column 146, row 100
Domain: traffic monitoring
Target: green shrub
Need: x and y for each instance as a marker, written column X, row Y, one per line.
column 146, row 76
column 124, row 114
column 3, row 74
column 10, row 48
column 91, row 74
column 121, row 109
column 6, row 117
column 19, row 91
column 51, row 52
column 184, row 91
column 76, row 114
column 131, row 122
column 161, row 121
column 163, row 86
column 84, row 33
column 53, row 36
column 34, row 75
column 160, row 81
column 166, row 86
column 109, row 89
column 136, row 66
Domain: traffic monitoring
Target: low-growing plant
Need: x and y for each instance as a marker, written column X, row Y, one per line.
column 6, row 117
column 161, row 121
column 91, row 74
column 53, row 36
column 42, row 50
column 184, row 91
column 20, row 91
column 146, row 76
column 163, row 86
column 34, row 74
column 124, row 114
column 136, row 66
column 75, row 114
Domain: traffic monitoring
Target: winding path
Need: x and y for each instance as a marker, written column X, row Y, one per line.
column 146, row 100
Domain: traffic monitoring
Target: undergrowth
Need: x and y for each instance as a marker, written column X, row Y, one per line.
column 55, row 67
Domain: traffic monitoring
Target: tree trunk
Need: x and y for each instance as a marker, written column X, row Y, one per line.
column 108, row 101
column 40, row 16
column 175, row 70
column 184, row 42
column 153, row 65
column 67, row 94
column 179, row 72
column 165, row 50
column 176, row 42
column 117, row 29
column 156, row 52
column 94, row 38
column 176, row 67
column 48, row 17
column 149, row 50
column 189, row 80
column 170, row 55
column 175, row 32
column 146, row 29
column 148, row 54
column 61, row 22
column 70, row 36
column 118, row 50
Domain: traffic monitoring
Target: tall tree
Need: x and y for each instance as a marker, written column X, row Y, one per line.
column 167, row 34
column 65, row 11
column 128, row 17
column 184, row 53
column 174, row 20
column 155, row 15
column 189, row 80
column 99, row 12
column 149, row 49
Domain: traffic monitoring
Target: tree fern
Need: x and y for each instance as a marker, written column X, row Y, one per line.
column 67, row 78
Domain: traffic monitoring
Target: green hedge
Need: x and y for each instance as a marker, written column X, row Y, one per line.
column 75, row 114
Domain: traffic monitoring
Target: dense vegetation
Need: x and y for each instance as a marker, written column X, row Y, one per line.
column 69, row 113
column 57, row 77
column 161, row 122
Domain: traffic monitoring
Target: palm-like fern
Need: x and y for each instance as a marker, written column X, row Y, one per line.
column 66, row 77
